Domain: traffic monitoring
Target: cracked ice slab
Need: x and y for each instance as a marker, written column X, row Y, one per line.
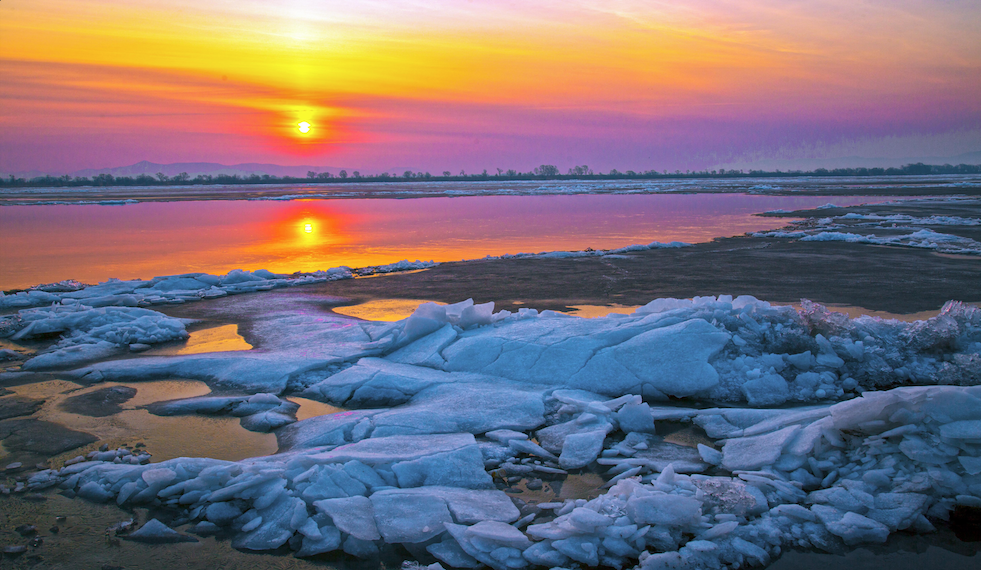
column 607, row 357
column 474, row 408
column 397, row 448
column 785, row 476
column 252, row 371
column 671, row 360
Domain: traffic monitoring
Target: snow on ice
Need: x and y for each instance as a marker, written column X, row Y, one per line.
column 820, row 431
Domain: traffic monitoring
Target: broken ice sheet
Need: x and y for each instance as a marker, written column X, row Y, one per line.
column 874, row 431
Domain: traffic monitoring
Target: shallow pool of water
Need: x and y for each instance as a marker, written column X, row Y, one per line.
column 223, row 338
column 381, row 309
column 165, row 437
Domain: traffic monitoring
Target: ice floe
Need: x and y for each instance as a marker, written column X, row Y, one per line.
column 817, row 431
column 594, row 252
column 894, row 229
column 169, row 289
column 88, row 333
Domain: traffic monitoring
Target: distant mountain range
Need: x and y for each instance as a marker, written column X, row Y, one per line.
column 196, row 168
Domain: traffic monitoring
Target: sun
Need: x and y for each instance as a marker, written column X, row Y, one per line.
column 308, row 228
column 304, row 127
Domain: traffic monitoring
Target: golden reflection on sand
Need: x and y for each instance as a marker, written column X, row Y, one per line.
column 382, row 309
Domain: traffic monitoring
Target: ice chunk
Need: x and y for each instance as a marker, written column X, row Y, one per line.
column 854, row 529
column 450, row 552
column 636, row 418
column 462, row 467
column 672, row 360
column 237, row 276
column 964, row 429
column 751, row 453
column 682, row 459
column 222, row 513
column 531, row 448
column 663, row 509
column 156, row 532
column 179, row 283
column 917, row 449
column 553, row 437
column 499, row 533
column 331, row 429
column 474, row 315
column 709, row 455
column 380, row 450
column 506, row 435
column 898, row 511
column 94, row 492
column 426, row 350
column 329, row 541
column 408, row 517
column 768, row 390
column 542, row 554
column 972, row 465
column 353, row 515
column 496, row 544
column 581, row 449
column 465, row 406
column 71, row 355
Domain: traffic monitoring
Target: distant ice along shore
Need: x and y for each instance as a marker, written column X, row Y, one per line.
column 895, row 229
column 809, row 429
column 415, row 188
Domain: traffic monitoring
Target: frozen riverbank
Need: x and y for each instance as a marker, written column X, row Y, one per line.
column 693, row 433
column 968, row 184
column 832, row 432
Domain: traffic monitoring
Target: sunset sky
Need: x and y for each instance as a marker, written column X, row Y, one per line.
column 448, row 85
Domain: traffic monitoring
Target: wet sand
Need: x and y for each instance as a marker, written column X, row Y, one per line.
column 877, row 278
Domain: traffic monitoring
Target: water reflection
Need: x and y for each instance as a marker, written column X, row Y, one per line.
column 312, row 408
column 593, row 311
column 223, row 338
column 165, row 238
column 166, row 437
column 382, row 309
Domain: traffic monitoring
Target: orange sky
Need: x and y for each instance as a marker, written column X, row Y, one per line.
column 450, row 85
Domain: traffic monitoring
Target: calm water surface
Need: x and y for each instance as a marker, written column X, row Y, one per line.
column 92, row 243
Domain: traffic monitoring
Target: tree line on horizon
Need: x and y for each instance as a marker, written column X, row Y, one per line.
column 543, row 172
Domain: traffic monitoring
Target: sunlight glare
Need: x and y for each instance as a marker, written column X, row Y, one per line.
column 308, row 228
column 304, row 127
